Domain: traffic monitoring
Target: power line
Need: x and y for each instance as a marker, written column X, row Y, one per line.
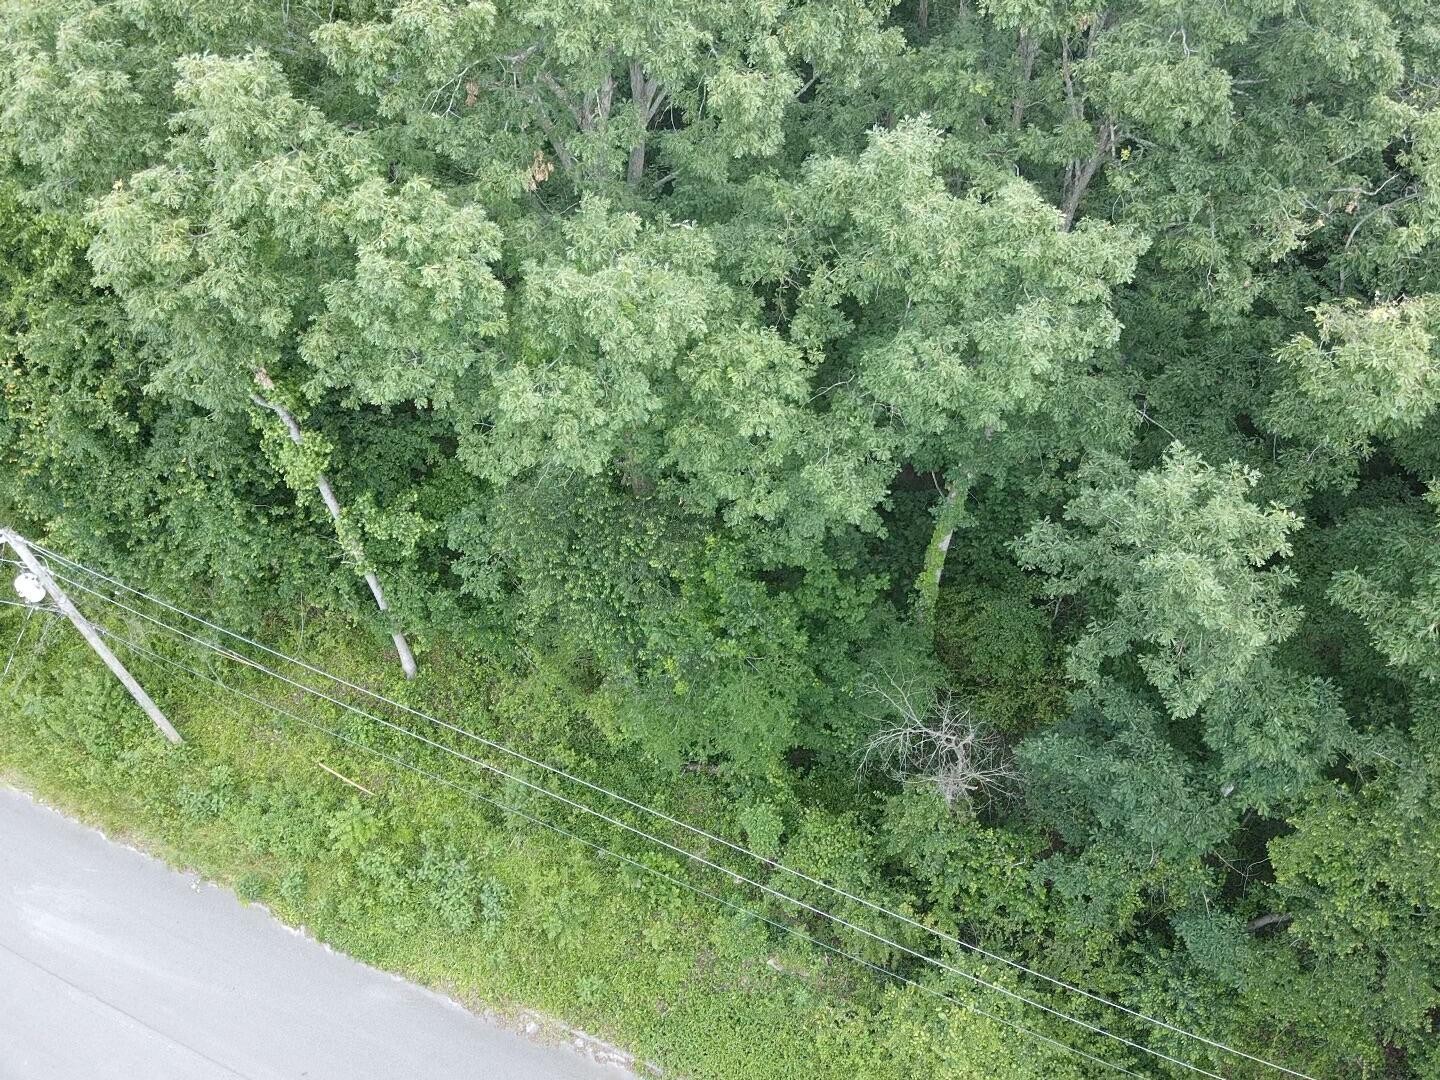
column 607, row 852
column 695, row 830
column 683, row 852
column 773, row 864
column 678, row 850
column 24, row 625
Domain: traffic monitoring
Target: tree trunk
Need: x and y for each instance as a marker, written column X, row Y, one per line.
column 635, row 170
column 1025, row 52
column 927, row 588
column 646, row 96
column 1078, row 173
column 1273, row 919
column 332, row 504
column 1077, row 179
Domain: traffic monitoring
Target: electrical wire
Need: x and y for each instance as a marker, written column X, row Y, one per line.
column 24, row 624
column 607, row 852
column 695, row 830
column 683, row 852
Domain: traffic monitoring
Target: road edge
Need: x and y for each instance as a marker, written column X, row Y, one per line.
column 538, row 1027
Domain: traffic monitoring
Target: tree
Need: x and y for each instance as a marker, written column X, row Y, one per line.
column 261, row 271
column 1398, row 596
column 1177, row 556
column 85, row 90
column 604, row 97
column 1373, row 374
column 119, row 478
column 1357, row 881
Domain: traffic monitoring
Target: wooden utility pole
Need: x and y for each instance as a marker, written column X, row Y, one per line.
column 89, row 633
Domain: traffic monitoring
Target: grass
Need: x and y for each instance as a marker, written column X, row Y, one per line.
column 423, row 879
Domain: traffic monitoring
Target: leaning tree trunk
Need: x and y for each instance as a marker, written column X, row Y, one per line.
column 327, row 495
column 927, row 587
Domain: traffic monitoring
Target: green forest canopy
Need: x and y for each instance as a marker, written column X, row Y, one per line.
column 1070, row 372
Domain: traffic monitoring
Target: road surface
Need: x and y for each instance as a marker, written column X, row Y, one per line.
column 113, row 967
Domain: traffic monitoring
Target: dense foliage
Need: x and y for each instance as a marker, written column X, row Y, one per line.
column 1036, row 403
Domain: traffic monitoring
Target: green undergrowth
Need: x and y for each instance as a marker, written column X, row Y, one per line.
column 423, row 878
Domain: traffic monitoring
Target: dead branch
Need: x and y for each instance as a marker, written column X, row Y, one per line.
column 928, row 739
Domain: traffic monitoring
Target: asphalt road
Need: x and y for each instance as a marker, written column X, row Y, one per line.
column 113, row 967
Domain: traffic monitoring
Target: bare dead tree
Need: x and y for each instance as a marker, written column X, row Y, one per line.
column 927, row 738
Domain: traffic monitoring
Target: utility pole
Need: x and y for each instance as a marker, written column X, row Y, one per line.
column 89, row 633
